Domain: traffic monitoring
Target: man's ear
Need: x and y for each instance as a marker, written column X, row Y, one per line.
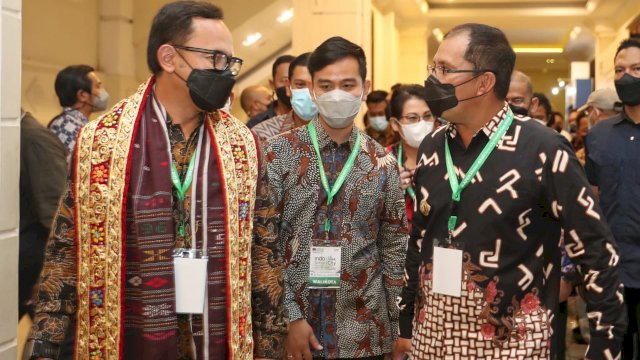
column 287, row 87
column 367, row 89
column 272, row 85
column 487, row 83
column 533, row 106
column 167, row 57
column 83, row 96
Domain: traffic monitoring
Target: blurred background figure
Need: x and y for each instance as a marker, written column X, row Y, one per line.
column 255, row 99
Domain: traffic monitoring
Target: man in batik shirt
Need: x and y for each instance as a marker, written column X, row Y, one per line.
column 161, row 198
column 483, row 263
column 334, row 203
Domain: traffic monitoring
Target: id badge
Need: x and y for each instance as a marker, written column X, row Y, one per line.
column 190, row 275
column 447, row 271
column 324, row 267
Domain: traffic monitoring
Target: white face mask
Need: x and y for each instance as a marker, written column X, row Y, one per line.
column 338, row 107
column 101, row 101
column 413, row 134
column 379, row 123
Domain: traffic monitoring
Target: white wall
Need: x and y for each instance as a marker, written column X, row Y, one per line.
column 10, row 47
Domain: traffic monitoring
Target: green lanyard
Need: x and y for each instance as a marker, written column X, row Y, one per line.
column 456, row 188
column 346, row 169
column 181, row 187
column 409, row 190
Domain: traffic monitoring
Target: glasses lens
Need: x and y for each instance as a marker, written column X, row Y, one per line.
column 235, row 65
column 412, row 118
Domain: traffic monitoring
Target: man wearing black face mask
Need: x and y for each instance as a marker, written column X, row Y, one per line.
column 150, row 248
column 612, row 164
column 520, row 96
column 483, row 254
column 281, row 106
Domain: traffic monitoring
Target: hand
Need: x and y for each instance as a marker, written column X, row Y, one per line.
column 406, row 177
column 401, row 348
column 300, row 340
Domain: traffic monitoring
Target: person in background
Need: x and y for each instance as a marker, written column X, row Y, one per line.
column 298, row 87
column 80, row 92
column 545, row 113
column 376, row 120
column 582, row 127
column 613, row 166
column 520, row 96
column 278, row 83
column 601, row 104
column 494, row 189
column 43, row 171
column 254, row 100
column 332, row 199
column 413, row 121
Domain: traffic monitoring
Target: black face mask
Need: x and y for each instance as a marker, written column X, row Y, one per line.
column 282, row 96
column 209, row 89
column 519, row 110
column 628, row 89
column 442, row 97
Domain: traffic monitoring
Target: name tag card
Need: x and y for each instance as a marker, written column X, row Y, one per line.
column 447, row 271
column 190, row 284
column 324, row 267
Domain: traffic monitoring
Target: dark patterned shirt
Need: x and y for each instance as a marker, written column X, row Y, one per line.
column 509, row 221
column 613, row 165
column 367, row 219
column 275, row 126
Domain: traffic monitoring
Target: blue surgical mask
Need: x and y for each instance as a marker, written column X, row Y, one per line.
column 302, row 104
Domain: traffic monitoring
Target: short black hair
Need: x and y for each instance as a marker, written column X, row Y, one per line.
column 543, row 101
column 173, row 25
column 377, row 96
column 301, row 60
column 627, row 43
column 403, row 93
column 284, row 59
column 71, row 79
column 333, row 50
column 557, row 113
column 489, row 50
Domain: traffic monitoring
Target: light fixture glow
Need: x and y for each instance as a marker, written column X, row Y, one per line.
column 285, row 16
column 439, row 35
column 424, row 7
column 555, row 90
column 570, row 90
column 561, row 83
column 538, row 50
column 251, row 39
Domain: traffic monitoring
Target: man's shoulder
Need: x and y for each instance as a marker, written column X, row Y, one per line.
column 270, row 125
column 261, row 117
column 604, row 126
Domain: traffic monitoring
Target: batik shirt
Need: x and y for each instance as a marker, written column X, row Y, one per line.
column 368, row 220
column 509, row 221
column 274, row 126
column 67, row 125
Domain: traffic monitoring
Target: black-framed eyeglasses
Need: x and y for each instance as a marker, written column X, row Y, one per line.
column 440, row 70
column 220, row 60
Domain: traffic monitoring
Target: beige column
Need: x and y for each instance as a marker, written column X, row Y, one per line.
column 385, row 49
column 414, row 56
column 605, row 50
column 10, row 67
column 316, row 21
column 116, row 60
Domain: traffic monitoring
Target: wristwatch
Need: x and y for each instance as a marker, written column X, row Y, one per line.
column 38, row 349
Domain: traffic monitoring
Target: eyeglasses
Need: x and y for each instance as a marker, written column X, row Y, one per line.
column 413, row 118
column 440, row 70
column 220, row 60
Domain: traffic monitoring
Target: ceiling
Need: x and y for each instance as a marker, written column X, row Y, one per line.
column 568, row 24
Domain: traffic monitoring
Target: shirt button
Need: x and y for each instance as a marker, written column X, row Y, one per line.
column 632, row 138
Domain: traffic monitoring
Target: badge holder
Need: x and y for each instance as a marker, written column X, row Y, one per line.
column 190, row 269
column 325, row 263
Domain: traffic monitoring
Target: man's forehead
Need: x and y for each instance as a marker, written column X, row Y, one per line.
column 301, row 72
column 452, row 49
column 630, row 54
column 345, row 69
column 210, row 34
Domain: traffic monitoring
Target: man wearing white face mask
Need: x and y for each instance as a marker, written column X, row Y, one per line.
column 298, row 86
column 332, row 199
column 413, row 121
column 80, row 93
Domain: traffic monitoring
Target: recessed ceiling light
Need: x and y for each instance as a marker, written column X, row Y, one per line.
column 551, row 61
column 439, row 35
column 251, row 39
column 538, row 50
column 285, row 16
column 424, row 7
column 555, row 90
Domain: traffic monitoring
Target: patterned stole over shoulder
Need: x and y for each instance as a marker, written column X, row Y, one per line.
column 111, row 161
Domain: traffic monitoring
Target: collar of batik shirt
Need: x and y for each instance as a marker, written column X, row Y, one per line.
column 489, row 128
column 324, row 139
